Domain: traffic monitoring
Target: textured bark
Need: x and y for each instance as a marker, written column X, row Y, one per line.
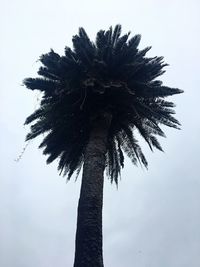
column 88, row 252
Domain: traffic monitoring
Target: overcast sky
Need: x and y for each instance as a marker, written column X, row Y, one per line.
column 153, row 219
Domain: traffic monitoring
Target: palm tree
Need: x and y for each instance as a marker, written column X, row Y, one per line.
column 94, row 99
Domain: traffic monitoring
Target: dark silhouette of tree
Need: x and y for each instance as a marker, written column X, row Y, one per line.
column 94, row 98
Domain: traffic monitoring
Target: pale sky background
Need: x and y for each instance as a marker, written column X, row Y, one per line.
column 153, row 219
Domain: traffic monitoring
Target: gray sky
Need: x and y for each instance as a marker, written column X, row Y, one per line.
column 153, row 219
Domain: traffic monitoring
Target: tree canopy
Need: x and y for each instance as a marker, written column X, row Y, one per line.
column 109, row 75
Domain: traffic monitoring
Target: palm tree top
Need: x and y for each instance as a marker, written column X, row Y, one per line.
column 109, row 75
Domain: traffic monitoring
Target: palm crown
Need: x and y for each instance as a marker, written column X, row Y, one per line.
column 111, row 75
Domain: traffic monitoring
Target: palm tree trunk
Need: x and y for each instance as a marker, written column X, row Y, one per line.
column 88, row 251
